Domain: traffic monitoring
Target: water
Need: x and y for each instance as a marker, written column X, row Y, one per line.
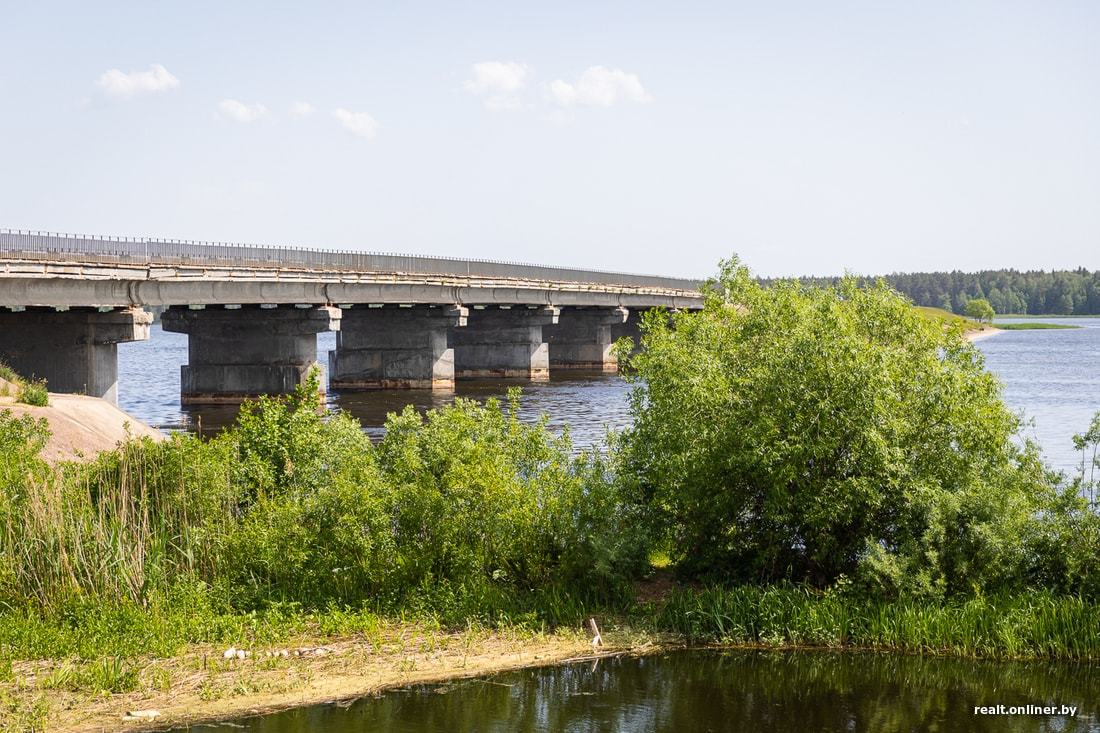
column 1052, row 377
column 149, row 384
column 793, row 692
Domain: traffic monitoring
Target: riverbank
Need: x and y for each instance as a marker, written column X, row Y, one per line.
column 257, row 663
column 203, row 686
column 1034, row 326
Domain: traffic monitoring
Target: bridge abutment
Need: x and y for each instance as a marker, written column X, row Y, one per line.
column 73, row 350
column 504, row 342
column 395, row 347
column 582, row 338
column 238, row 354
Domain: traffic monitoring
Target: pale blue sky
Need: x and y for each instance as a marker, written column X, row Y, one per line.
column 806, row 137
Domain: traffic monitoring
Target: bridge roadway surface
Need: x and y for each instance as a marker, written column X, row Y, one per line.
column 252, row 314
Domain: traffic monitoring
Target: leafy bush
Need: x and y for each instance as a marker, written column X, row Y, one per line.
column 467, row 505
column 813, row 435
column 34, row 393
column 464, row 512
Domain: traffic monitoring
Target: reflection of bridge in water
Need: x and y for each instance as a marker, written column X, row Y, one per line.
column 252, row 314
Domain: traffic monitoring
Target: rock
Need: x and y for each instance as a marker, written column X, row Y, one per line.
column 230, row 653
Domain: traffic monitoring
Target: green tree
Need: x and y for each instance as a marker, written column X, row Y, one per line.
column 805, row 434
column 980, row 310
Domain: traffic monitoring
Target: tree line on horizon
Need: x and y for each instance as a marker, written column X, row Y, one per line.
column 1034, row 292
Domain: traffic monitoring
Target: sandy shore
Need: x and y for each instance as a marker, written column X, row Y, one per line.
column 201, row 686
column 82, row 426
column 982, row 333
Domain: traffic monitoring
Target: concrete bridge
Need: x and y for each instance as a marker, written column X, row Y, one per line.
column 252, row 314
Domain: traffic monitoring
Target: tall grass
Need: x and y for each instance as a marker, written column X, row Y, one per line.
column 468, row 514
column 1028, row 625
column 28, row 391
column 117, row 528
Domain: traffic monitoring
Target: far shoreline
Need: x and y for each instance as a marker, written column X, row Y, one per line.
column 982, row 333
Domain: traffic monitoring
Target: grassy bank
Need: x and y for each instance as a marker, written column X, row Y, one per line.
column 1026, row 626
column 947, row 318
column 200, row 684
column 1032, row 326
column 174, row 661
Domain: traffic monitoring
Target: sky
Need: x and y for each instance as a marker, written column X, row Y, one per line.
column 805, row 138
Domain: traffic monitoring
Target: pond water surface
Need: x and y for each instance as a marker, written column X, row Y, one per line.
column 787, row 692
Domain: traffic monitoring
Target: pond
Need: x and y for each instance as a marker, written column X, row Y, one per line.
column 795, row 692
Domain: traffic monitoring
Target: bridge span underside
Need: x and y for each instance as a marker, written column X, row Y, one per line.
column 252, row 315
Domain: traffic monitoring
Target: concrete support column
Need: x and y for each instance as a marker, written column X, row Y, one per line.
column 629, row 328
column 582, row 338
column 236, row 354
column 395, row 347
column 74, row 351
column 504, row 342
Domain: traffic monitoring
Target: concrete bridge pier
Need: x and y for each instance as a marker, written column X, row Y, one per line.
column 239, row 353
column 73, row 350
column 630, row 328
column 395, row 347
column 582, row 338
column 504, row 341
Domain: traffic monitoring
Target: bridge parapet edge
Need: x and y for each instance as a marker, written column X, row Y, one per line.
column 75, row 250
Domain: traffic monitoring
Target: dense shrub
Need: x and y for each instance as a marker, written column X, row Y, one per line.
column 816, row 435
column 466, row 511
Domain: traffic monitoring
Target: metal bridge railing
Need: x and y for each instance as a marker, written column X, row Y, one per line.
column 127, row 250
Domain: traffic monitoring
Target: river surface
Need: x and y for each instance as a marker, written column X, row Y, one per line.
column 784, row 692
column 1052, row 377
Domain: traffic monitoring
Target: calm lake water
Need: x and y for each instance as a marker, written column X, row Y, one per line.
column 1052, row 377
column 786, row 692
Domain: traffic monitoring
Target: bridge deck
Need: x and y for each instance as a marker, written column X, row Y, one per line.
column 46, row 269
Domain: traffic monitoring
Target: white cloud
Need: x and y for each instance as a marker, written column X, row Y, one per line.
column 600, row 86
column 241, row 112
column 359, row 124
column 301, row 109
column 497, row 77
column 115, row 83
column 498, row 83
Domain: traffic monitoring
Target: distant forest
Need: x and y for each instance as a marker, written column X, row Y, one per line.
column 1060, row 292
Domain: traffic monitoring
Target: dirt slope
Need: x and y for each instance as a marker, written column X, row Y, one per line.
column 83, row 426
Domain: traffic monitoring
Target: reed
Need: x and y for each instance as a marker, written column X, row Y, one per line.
column 1029, row 625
